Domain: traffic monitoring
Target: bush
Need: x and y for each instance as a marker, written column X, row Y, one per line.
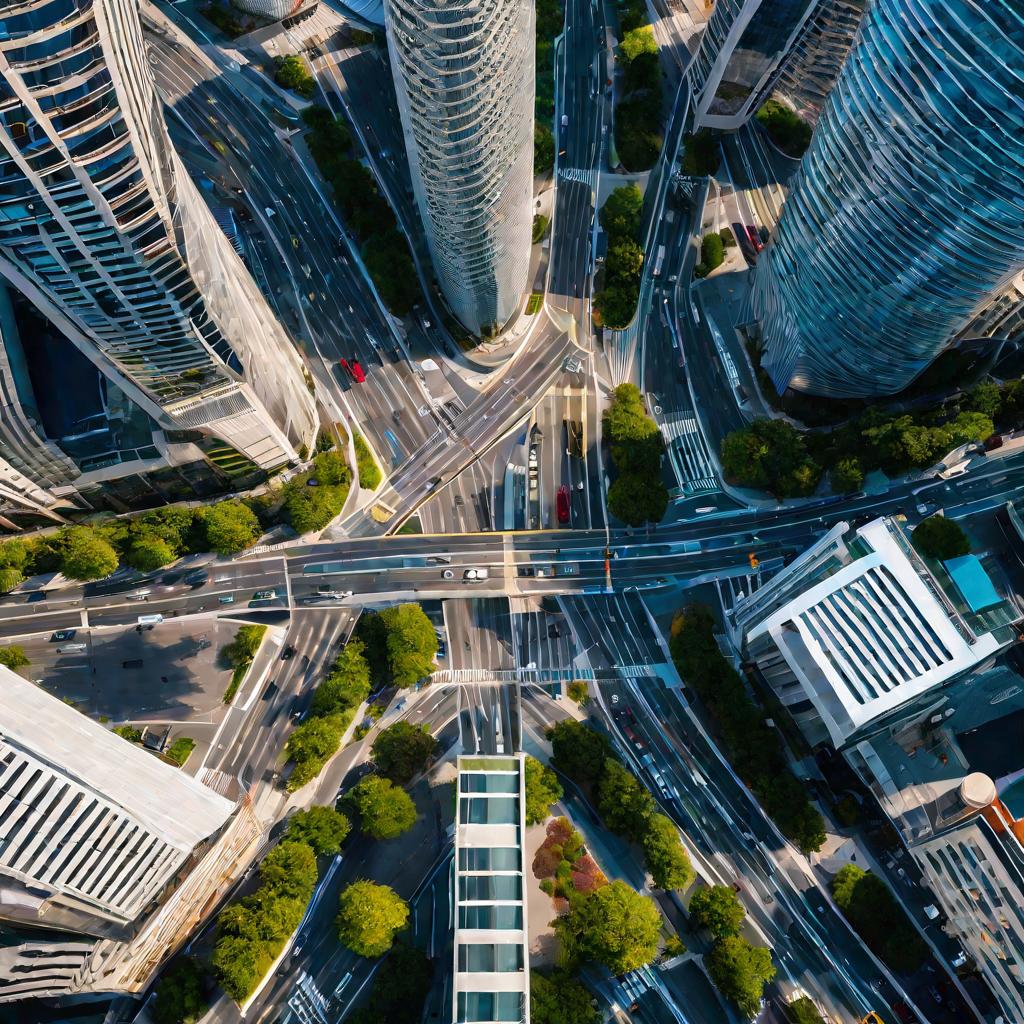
column 366, row 465
column 293, row 73
column 785, row 128
column 540, row 227
column 402, row 750
column 369, row 917
column 14, row 656
column 940, row 538
column 181, row 750
column 181, row 993
column 543, row 150
column 385, row 811
column 558, row 998
column 128, row 732
column 321, row 828
column 712, row 254
column 701, row 155
column 243, row 648
column 542, row 790
column 10, row 578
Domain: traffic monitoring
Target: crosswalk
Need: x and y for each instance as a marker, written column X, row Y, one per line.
column 688, row 452
column 307, row 1003
column 462, row 676
column 620, row 351
column 584, row 177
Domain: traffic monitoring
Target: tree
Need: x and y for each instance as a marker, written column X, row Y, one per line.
column 411, row 643
column 940, row 538
column 847, row 476
column 740, row 971
column 717, row 908
column 785, row 128
column 10, row 578
column 239, row 963
column 128, row 732
column 622, row 210
column 638, row 41
column 624, row 804
column 14, row 656
column 348, row 684
column 366, row 465
column 387, row 258
column 667, row 859
column 243, row 648
column 542, row 790
column 311, row 743
column 712, row 251
column 369, row 916
column 614, row 925
column 558, row 998
column 543, row 148
column 149, row 553
column 637, row 499
column 701, row 155
column 969, row 426
column 402, row 750
column 293, row 73
column 578, row 751
column 385, row 811
column 229, row 526
column 181, row 993
column 289, row 870
column 986, row 398
column 626, row 417
column 770, row 455
column 322, row 828
column 86, row 555
column 803, row 1011
column 578, row 691
column 400, row 988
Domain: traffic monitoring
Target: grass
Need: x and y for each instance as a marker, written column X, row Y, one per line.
column 180, row 750
column 239, row 671
column 536, row 300
column 540, row 227
column 366, row 466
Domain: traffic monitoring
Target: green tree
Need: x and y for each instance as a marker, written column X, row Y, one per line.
column 387, row 258
column 712, row 251
column 622, row 211
column 289, row 870
column 785, row 128
column 701, row 155
column 229, row 527
column 637, row 499
column 625, row 259
column 740, row 971
column 542, row 790
column 400, row 988
column 940, row 538
column 717, row 908
column 614, row 925
column 10, row 578
column 578, row 751
column 293, row 73
column 239, row 964
column 128, row 732
column 310, row 745
column 771, row 455
column 321, row 828
column 803, row 1011
column 558, row 998
column 986, row 398
column 638, row 41
column 348, row 684
column 624, row 804
column 411, row 643
column 626, row 417
column 402, row 750
column 578, row 691
column 366, row 466
column 243, row 648
column 14, row 656
column 969, row 426
column 543, row 148
column 847, row 476
column 385, row 811
column 667, row 859
column 149, row 553
column 369, row 917
column 181, row 993
column 86, row 555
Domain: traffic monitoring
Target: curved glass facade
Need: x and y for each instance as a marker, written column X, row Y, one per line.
column 908, row 209
column 464, row 75
column 103, row 230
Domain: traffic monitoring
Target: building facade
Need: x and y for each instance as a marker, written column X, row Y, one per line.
column 102, row 229
column 491, row 968
column 905, row 216
column 464, row 75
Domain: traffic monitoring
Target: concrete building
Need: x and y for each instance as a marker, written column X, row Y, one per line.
column 873, row 268
column 104, row 232
column 464, row 75
column 858, row 631
column 491, row 968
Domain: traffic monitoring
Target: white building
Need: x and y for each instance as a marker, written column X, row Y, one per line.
column 491, row 961
column 857, row 629
column 464, row 75
column 102, row 229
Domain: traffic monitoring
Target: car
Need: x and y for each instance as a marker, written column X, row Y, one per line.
column 342, row 594
column 358, row 373
column 270, row 691
column 755, row 238
column 288, row 653
column 563, row 504
column 324, row 588
column 197, row 578
column 61, row 635
column 475, row 575
column 71, row 648
column 140, row 595
column 226, row 599
column 169, row 579
column 442, row 647
column 36, row 595
column 264, row 595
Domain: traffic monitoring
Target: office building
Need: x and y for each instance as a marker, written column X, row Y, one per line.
column 464, row 75
column 104, row 232
column 491, row 968
column 905, row 217
column 858, row 632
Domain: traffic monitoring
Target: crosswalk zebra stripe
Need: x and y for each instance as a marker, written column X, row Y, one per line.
column 584, row 177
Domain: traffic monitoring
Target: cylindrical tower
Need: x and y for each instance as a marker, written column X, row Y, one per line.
column 908, row 209
column 103, row 230
column 464, row 74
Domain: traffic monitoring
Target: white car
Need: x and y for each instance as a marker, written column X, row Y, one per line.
column 475, row 575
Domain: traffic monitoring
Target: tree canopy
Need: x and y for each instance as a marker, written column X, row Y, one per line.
column 717, row 908
column 803, row 1011
column 411, row 643
column 311, row 743
column 399, row 989
column 542, row 790
column 624, row 804
column 666, row 857
column 385, row 811
column 321, row 828
column 230, row 527
column 614, row 925
column 87, row 556
column 578, row 751
column 740, row 971
column 402, row 750
column 369, row 917
column 622, row 211
column 558, row 998
column 940, row 538
column 771, row 455
column 181, row 993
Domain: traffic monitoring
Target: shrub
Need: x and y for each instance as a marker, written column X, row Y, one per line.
column 940, row 538
column 181, row 750
column 366, row 465
column 540, row 227
column 542, row 790
column 785, row 128
column 14, row 656
column 293, row 73
column 543, row 151
column 129, row 733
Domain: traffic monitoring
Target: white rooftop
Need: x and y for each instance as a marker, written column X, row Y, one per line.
column 871, row 637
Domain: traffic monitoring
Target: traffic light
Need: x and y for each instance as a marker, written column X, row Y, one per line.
column 753, row 559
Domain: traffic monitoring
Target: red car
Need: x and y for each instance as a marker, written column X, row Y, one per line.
column 345, row 368
column 563, row 503
column 357, row 371
column 755, row 238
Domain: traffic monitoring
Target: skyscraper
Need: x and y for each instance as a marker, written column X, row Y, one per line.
column 105, row 233
column 906, row 214
column 464, row 75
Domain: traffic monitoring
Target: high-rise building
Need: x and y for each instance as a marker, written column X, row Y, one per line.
column 905, row 216
column 104, row 232
column 464, row 75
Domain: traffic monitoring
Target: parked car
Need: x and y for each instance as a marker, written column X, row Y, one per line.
column 264, row 595
column 288, row 653
column 61, row 635
column 755, row 238
column 358, row 373
column 475, row 575
column 563, row 504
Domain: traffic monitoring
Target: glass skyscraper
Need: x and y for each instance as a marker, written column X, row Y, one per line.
column 464, row 75
column 907, row 213
column 104, row 232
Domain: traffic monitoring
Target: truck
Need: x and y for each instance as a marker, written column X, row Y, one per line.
column 659, row 259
